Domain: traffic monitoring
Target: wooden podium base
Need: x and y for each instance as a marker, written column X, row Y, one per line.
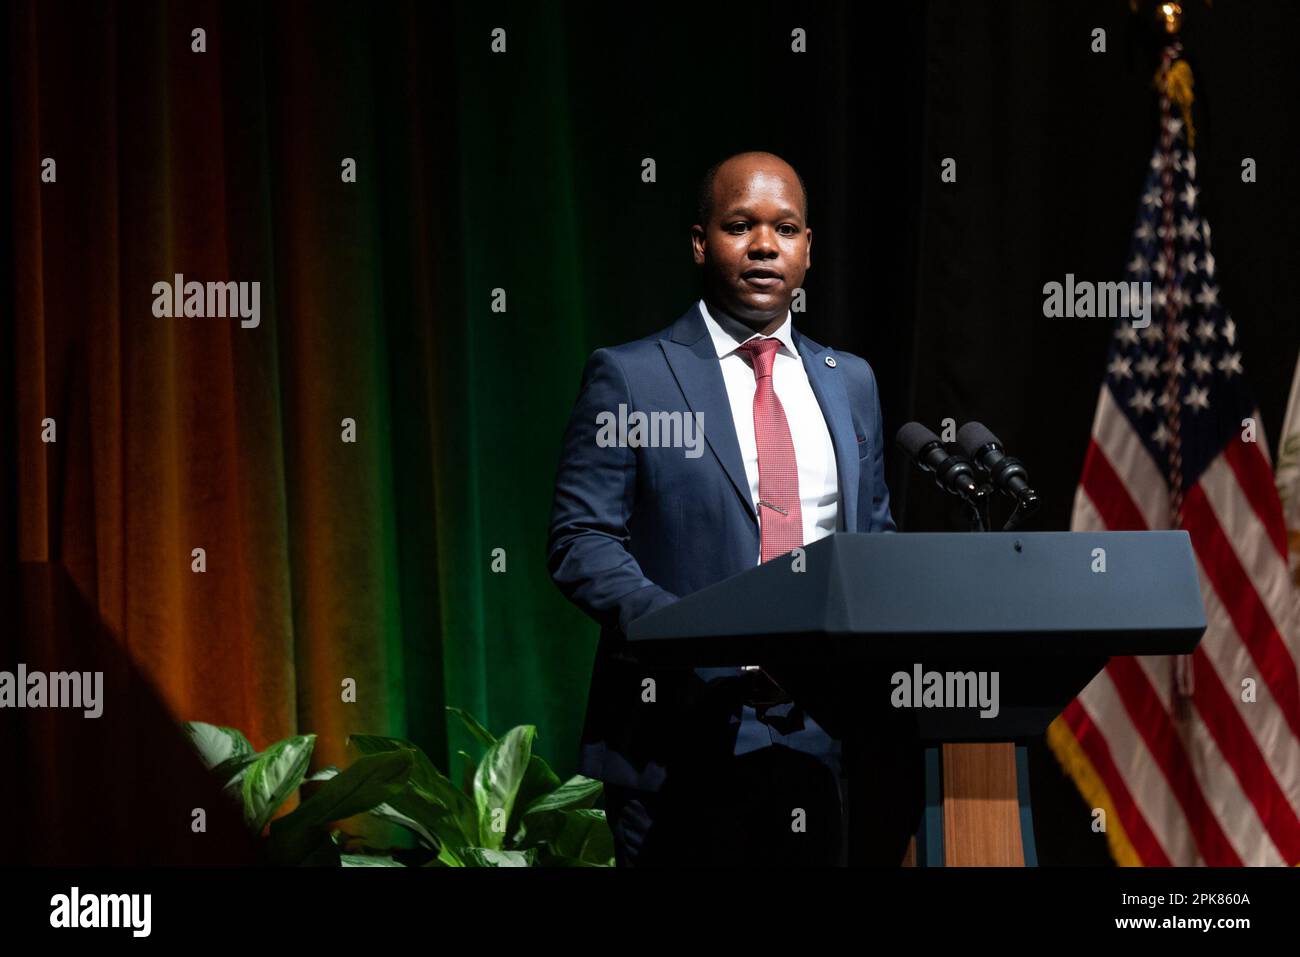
column 981, row 810
column 977, row 808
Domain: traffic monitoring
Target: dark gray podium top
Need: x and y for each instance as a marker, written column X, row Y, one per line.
column 963, row 596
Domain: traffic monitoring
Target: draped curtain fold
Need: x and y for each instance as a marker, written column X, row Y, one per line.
column 329, row 563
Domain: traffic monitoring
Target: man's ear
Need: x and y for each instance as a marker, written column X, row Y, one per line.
column 807, row 252
column 697, row 244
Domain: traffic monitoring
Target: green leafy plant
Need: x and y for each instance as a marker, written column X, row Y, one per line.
column 510, row 809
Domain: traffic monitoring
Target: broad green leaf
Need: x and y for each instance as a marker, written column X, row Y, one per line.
column 368, row 860
column 539, row 779
column 215, row 743
column 480, row 733
column 585, row 837
column 452, row 818
column 232, row 769
column 496, row 783
column 375, row 743
column 235, row 786
column 369, row 781
column 576, row 792
column 388, row 813
column 276, row 774
column 431, row 806
column 491, row 857
column 468, row 768
column 324, row 774
column 424, row 774
column 451, row 838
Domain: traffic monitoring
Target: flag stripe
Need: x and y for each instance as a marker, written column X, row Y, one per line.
column 1242, row 753
column 1140, row 700
column 1143, row 775
column 1249, row 538
column 1157, row 730
column 1223, row 792
column 1131, row 461
column 1108, row 494
column 1232, row 662
column 1117, row 511
column 1255, row 476
column 1249, row 616
column 1098, row 752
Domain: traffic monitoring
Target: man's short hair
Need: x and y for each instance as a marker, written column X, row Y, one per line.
column 704, row 197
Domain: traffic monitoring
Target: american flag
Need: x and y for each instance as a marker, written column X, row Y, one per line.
column 1194, row 759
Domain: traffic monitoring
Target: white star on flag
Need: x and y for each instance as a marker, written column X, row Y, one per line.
column 1142, row 400
column 1198, row 397
column 1230, row 363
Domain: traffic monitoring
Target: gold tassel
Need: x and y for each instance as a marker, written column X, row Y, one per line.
column 1176, row 83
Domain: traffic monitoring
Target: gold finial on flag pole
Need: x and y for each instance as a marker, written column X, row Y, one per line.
column 1175, row 82
column 1174, row 78
column 1172, row 14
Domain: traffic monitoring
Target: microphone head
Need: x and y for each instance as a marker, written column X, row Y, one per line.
column 972, row 437
column 913, row 437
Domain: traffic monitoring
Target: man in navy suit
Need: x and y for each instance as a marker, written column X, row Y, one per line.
column 715, row 765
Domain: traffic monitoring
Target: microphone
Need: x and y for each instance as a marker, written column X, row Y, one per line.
column 1006, row 473
column 953, row 473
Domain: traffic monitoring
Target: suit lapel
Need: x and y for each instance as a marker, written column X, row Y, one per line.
column 828, row 385
column 694, row 361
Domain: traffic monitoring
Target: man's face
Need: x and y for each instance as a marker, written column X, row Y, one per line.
column 756, row 247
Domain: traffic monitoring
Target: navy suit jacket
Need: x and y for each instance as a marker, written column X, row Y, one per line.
column 634, row 528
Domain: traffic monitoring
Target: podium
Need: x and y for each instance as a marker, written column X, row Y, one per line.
column 972, row 643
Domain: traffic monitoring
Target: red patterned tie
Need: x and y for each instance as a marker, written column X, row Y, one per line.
column 780, row 516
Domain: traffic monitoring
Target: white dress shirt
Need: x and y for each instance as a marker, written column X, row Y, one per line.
column 819, row 490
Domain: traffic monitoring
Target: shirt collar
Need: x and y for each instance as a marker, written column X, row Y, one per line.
column 728, row 333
